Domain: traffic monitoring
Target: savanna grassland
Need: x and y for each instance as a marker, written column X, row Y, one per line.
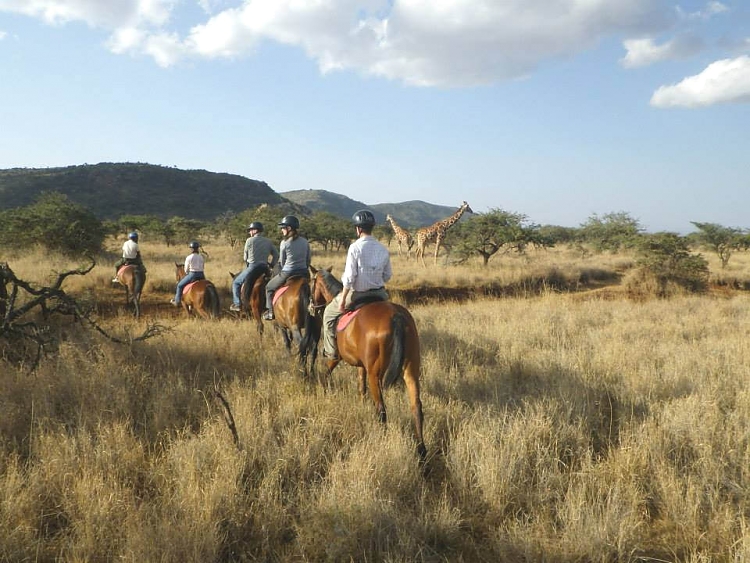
column 569, row 417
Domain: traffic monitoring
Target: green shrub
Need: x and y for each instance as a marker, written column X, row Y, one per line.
column 666, row 260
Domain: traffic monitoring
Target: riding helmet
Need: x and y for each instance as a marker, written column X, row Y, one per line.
column 363, row 218
column 290, row 221
column 133, row 236
column 195, row 245
column 258, row 226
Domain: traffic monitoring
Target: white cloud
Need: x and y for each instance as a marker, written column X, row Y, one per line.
column 3, row 35
column 711, row 9
column 422, row 42
column 643, row 52
column 724, row 81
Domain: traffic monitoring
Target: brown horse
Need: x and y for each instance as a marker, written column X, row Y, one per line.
column 253, row 295
column 382, row 342
column 202, row 298
column 293, row 318
column 133, row 278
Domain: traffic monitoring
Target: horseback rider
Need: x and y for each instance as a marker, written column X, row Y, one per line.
column 257, row 250
column 294, row 259
column 131, row 254
column 194, row 266
column 367, row 269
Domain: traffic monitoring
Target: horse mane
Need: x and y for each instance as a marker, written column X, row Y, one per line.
column 333, row 285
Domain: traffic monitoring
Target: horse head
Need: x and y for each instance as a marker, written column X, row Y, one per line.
column 322, row 286
column 179, row 271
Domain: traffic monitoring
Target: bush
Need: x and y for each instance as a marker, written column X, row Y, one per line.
column 666, row 265
column 54, row 222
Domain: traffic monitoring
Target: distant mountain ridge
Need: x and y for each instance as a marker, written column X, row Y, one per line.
column 408, row 214
column 110, row 190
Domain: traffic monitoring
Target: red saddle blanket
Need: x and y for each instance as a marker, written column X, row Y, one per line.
column 122, row 269
column 345, row 319
column 188, row 287
column 279, row 292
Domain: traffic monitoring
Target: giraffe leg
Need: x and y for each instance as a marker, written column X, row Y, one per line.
column 438, row 240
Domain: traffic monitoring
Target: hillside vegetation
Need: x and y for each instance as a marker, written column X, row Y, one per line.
column 110, row 190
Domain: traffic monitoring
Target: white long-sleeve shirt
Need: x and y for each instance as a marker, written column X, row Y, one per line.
column 194, row 263
column 368, row 265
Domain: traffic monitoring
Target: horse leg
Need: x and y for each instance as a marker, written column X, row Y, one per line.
column 361, row 376
column 376, row 392
column 411, row 378
column 201, row 307
column 287, row 339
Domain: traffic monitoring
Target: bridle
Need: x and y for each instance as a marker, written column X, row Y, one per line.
column 312, row 307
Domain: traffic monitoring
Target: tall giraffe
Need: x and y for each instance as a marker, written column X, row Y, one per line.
column 437, row 231
column 403, row 237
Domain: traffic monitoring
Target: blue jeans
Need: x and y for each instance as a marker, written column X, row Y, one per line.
column 191, row 277
column 239, row 279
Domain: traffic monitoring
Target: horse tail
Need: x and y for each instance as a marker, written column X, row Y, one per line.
column 396, row 363
column 213, row 296
column 312, row 328
column 139, row 280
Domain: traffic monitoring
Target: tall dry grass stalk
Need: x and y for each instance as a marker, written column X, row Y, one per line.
column 559, row 427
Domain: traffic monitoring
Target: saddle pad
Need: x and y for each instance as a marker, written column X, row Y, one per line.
column 279, row 293
column 188, row 287
column 121, row 271
column 345, row 319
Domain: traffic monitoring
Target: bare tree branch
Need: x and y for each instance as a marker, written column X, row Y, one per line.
column 50, row 300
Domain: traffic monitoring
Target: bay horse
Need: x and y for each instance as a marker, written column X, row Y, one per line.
column 133, row 278
column 291, row 306
column 253, row 295
column 198, row 297
column 382, row 342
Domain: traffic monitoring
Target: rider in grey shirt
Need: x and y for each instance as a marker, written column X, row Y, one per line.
column 258, row 250
column 294, row 258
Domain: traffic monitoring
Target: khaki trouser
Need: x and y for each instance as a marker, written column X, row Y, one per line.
column 331, row 316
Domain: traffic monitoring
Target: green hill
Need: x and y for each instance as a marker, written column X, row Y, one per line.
column 111, row 190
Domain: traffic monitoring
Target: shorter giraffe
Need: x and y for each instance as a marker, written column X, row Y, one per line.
column 403, row 237
column 437, row 231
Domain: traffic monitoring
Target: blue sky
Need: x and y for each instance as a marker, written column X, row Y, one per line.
column 557, row 109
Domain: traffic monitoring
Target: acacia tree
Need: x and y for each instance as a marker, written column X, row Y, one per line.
column 611, row 231
column 488, row 233
column 667, row 257
column 722, row 240
column 54, row 222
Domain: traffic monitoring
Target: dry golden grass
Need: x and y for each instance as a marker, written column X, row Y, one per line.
column 560, row 427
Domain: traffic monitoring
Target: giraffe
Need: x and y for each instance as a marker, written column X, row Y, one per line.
column 403, row 237
column 437, row 231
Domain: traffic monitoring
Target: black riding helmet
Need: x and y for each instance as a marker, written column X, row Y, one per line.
column 290, row 221
column 258, row 226
column 363, row 218
column 195, row 245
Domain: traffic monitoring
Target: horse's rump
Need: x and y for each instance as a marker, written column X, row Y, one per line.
column 249, row 283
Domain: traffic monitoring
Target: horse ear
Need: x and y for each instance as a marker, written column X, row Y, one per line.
column 232, row 275
column 177, row 264
column 329, row 268
column 313, row 270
